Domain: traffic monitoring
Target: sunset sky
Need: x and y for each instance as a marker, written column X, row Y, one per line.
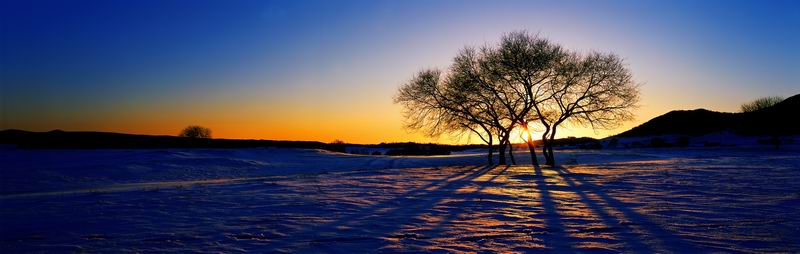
column 325, row 70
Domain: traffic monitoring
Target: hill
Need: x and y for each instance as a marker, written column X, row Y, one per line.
column 779, row 119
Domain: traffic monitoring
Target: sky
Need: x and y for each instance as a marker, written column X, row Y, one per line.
column 325, row 70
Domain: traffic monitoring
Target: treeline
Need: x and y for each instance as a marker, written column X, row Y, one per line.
column 411, row 148
column 58, row 139
column 399, row 148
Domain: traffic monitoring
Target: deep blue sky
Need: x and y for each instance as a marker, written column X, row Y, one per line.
column 322, row 70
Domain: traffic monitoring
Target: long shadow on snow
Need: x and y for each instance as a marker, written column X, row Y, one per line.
column 668, row 241
column 451, row 216
column 417, row 200
column 557, row 238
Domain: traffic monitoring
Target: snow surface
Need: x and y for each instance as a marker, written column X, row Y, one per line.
column 295, row 200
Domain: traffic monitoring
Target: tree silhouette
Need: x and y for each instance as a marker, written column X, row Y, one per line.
column 440, row 106
column 522, row 81
column 595, row 90
column 761, row 103
column 194, row 131
column 523, row 64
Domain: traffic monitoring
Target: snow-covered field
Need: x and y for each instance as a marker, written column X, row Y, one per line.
column 292, row 200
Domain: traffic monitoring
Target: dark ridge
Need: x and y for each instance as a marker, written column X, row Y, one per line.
column 58, row 139
column 776, row 120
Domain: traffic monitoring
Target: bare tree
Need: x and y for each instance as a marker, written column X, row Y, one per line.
column 523, row 64
column 522, row 81
column 510, row 74
column 761, row 103
column 470, row 76
column 437, row 105
column 595, row 90
column 194, row 131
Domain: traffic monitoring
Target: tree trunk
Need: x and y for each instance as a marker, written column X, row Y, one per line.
column 511, row 153
column 534, row 160
column 552, row 157
column 491, row 152
column 546, row 152
column 545, row 147
column 501, row 153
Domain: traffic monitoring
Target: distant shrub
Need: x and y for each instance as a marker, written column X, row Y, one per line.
column 761, row 103
column 337, row 145
column 194, row 131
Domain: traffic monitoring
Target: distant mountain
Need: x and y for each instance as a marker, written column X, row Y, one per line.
column 781, row 119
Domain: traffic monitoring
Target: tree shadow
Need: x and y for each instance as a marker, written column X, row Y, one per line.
column 555, row 237
column 629, row 239
column 451, row 216
column 634, row 230
column 667, row 240
column 392, row 223
column 409, row 204
column 558, row 237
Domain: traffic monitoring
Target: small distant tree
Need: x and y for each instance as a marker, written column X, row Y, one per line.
column 761, row 103
column 195, row 131
column 337, row 145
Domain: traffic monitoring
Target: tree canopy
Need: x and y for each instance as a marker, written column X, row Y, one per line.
column 194, row 131
column 524, row 81
column 761, row 103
